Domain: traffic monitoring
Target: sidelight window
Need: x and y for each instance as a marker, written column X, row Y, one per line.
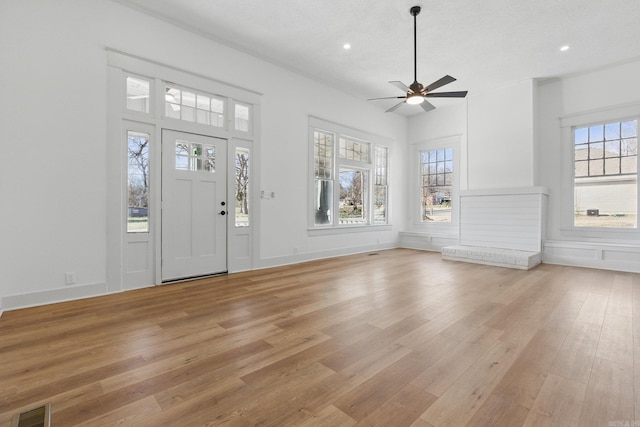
column 138, row 182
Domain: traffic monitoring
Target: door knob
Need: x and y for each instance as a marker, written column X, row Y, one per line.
column 223, row 203
column 223, row 212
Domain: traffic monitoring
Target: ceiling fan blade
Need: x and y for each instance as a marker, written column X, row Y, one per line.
column 401, row 86
column 439, row 83
column 427, row 106
column 460, row 94
column 395, row 107
column 387, row 97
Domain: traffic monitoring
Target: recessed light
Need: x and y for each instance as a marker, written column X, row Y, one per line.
column 564, row 48
column 346, row 46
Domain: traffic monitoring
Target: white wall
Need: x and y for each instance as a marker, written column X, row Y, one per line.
column 498, row 128
column 501, row 136
column 53, row 73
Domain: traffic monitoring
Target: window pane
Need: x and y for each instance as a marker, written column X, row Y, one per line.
column 630, row 129
column 612, row 166
column 202, row 102
column 172, row 110
column 596, row 133
column 323, row 158
column 629, row 147
column 188, row 99
column 138, row 94
column 188, row 114
column 242, row 187
column 353, row 196
column 202, row 117
column 448, row 154
column 582, row 152
column 612, row 149
column 380, row 205
column 138, row 182
column 596, row 167
column 581, row 135
column 582, row 169
column 629, row 164
column 242, row 118
column 612, row 131
column 596, row 150
column 323, row 202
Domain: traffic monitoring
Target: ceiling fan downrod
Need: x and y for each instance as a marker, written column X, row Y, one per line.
column 415, row 10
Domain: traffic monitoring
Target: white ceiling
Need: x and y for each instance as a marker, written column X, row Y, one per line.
column 482, row 43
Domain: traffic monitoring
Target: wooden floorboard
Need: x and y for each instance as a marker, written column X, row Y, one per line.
column 394, row 338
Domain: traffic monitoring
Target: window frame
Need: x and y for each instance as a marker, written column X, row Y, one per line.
column 444, row 228
column 374, row 141
column 567, row 124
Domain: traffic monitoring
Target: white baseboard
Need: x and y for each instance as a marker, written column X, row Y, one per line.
column 619, row 257
column 69, row 293
column 426, row 241
column 312, row 256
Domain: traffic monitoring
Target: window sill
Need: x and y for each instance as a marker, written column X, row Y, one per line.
column 348, row 229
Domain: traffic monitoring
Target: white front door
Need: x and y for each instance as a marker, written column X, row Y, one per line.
column 194, row 205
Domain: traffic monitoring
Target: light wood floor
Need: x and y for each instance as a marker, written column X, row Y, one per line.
column 396, row 338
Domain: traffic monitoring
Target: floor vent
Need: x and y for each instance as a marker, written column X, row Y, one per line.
column 37, row 417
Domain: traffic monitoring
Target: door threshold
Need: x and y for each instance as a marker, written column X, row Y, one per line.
column 190, row 278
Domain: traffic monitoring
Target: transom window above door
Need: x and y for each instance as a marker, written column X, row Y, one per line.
column 192, row 106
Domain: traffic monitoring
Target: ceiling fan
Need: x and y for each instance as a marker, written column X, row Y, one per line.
column 417, row 94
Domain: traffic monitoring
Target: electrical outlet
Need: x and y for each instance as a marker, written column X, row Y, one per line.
column 70, row 277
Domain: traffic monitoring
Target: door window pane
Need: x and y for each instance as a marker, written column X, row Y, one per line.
column 193, row 156
column 138, row 182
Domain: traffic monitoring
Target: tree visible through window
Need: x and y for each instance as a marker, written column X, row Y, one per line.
column 606, row 175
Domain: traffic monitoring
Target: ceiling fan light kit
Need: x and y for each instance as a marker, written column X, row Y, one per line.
column 415, row 99
column 416, row 93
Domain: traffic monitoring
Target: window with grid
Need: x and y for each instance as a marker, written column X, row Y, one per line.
column 193, row 106
column 354, row 150
column 350, row 180
column 436, row 174
column 323, row 172
column 380, row 186
column 606, row 174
